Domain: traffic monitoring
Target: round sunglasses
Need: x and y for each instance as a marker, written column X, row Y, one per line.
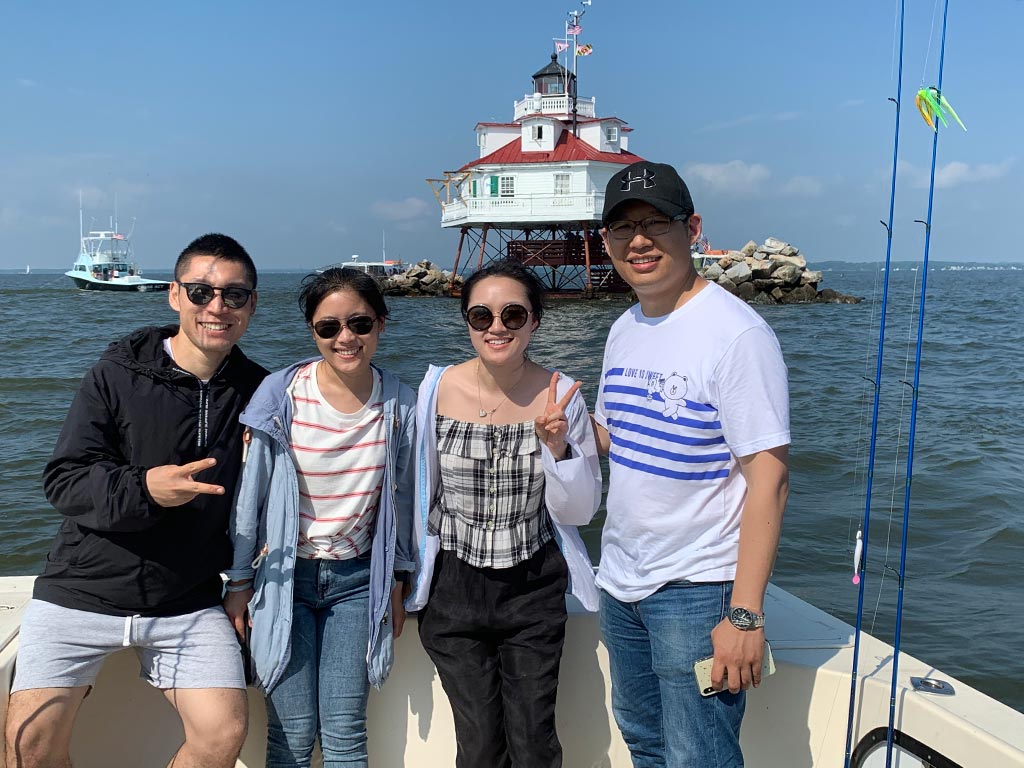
column 513, row 317
column 202, row 294
column 330, row 327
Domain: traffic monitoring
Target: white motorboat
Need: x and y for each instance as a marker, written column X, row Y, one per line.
column 796, row 719
column 105, row 263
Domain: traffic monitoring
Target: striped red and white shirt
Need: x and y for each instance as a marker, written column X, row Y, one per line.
column 340, row 461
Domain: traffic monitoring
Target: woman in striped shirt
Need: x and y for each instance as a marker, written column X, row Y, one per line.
column 508, row 468
column 323, row 527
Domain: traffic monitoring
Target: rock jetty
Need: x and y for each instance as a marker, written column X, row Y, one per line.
column 774, row 272
column 422, row 279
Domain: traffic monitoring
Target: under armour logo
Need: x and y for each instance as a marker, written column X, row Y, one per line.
column 646, row 178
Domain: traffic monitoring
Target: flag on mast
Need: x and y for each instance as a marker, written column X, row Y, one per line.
column 573, row 29
column 561, row 45
column 584, row 50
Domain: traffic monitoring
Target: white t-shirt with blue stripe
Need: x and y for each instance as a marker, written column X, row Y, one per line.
column 682, row 396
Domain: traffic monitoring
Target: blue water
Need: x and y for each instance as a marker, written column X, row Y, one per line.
column 963, row 588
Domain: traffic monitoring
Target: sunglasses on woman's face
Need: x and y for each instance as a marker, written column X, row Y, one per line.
column 330, row 327
column 202, row 294
column 513, row 317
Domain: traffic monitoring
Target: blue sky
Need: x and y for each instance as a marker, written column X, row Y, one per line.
column 307, row 129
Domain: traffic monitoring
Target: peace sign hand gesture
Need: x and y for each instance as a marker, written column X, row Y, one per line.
column 172, row 485
column 553, row 426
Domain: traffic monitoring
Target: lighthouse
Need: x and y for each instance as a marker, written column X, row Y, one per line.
column 535, row 192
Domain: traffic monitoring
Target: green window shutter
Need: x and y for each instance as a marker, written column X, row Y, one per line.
column 494, row 186
column 473, row 193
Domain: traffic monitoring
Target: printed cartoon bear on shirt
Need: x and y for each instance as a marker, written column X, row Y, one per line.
column 672, row 389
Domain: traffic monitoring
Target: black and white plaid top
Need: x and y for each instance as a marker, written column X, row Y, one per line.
column 489, row 507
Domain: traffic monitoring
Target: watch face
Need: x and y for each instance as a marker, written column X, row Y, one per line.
column 741, row 617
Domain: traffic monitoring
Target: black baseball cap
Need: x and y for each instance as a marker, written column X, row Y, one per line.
column 654, row 183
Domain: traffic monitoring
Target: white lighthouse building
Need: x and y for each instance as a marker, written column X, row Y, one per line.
column 536, row 191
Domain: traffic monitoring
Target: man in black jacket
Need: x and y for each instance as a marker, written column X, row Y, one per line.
column 143, row 474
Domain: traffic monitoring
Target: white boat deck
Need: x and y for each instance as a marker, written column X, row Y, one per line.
column 796, row 718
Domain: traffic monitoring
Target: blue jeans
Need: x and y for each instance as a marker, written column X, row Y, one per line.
column 652, row 646
column 324, row 688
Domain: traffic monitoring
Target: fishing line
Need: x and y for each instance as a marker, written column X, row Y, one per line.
column 931, row 34
column 913, row 406
column 861, row 549
column 896, row 459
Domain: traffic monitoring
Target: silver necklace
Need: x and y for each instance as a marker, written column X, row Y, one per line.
column 483, row 412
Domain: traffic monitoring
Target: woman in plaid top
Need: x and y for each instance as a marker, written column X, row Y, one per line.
column 507, row 468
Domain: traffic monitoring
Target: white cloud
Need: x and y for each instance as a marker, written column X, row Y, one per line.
column 956, row 173
column 953, row 173
column 401, row 210
column 802, row 186
column 732, row 178
column 25, row 82
column 785, row 117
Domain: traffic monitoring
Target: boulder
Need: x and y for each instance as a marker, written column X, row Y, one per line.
column 810, row 277
column 713, row 272
column 796, row 261
column 788, row 274
column 728, row 284
column 774, row 245
column 789, row 250
column 739, row 273
column 777, row 294
column 762, row 298
column 829, row 296
column 761, row 267
column 749, row 248
column 746, row 291
column 803, row 294
column 725, row 262
column 767, row 284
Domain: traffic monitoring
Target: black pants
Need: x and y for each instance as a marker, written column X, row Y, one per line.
column 495, row 636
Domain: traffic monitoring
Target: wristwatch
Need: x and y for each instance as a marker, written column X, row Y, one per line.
column 745, row 619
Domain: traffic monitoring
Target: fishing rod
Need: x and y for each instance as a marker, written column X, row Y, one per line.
column 861, row 547
column 936, row 95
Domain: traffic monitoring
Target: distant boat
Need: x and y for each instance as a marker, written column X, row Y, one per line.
column 105, row 263
column 378, row 269
column 28, row 268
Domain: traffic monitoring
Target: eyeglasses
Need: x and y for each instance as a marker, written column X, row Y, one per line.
column 513, row 317
column 652, row 226
column 330, row 327
column 202, row 294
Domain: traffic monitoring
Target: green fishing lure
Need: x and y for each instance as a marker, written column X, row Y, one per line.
column 931, row 103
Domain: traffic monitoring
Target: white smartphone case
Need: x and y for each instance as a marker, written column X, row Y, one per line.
column 702, row 671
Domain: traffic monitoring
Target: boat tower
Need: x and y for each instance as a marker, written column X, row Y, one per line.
column 535, row 192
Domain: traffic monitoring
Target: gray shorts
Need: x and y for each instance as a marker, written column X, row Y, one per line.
column 65, row 648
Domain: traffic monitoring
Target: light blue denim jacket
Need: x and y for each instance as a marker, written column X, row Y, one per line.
column 265, row 520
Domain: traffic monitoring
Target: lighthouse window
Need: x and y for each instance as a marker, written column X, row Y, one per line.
column 612, row 133
column 507, row 185
column 562, row 183
column 537, row 132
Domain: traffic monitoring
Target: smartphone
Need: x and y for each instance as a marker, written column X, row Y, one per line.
column 702, row 671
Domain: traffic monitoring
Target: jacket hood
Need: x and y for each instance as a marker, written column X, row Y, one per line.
column 269, row 400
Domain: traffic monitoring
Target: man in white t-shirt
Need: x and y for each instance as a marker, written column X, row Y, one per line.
column 693, row 411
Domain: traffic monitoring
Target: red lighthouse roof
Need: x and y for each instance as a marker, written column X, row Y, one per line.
column 566, row 149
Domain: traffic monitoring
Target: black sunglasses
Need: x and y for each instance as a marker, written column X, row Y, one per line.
column 330, row 327
column 513, row 317
column 202, row 294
